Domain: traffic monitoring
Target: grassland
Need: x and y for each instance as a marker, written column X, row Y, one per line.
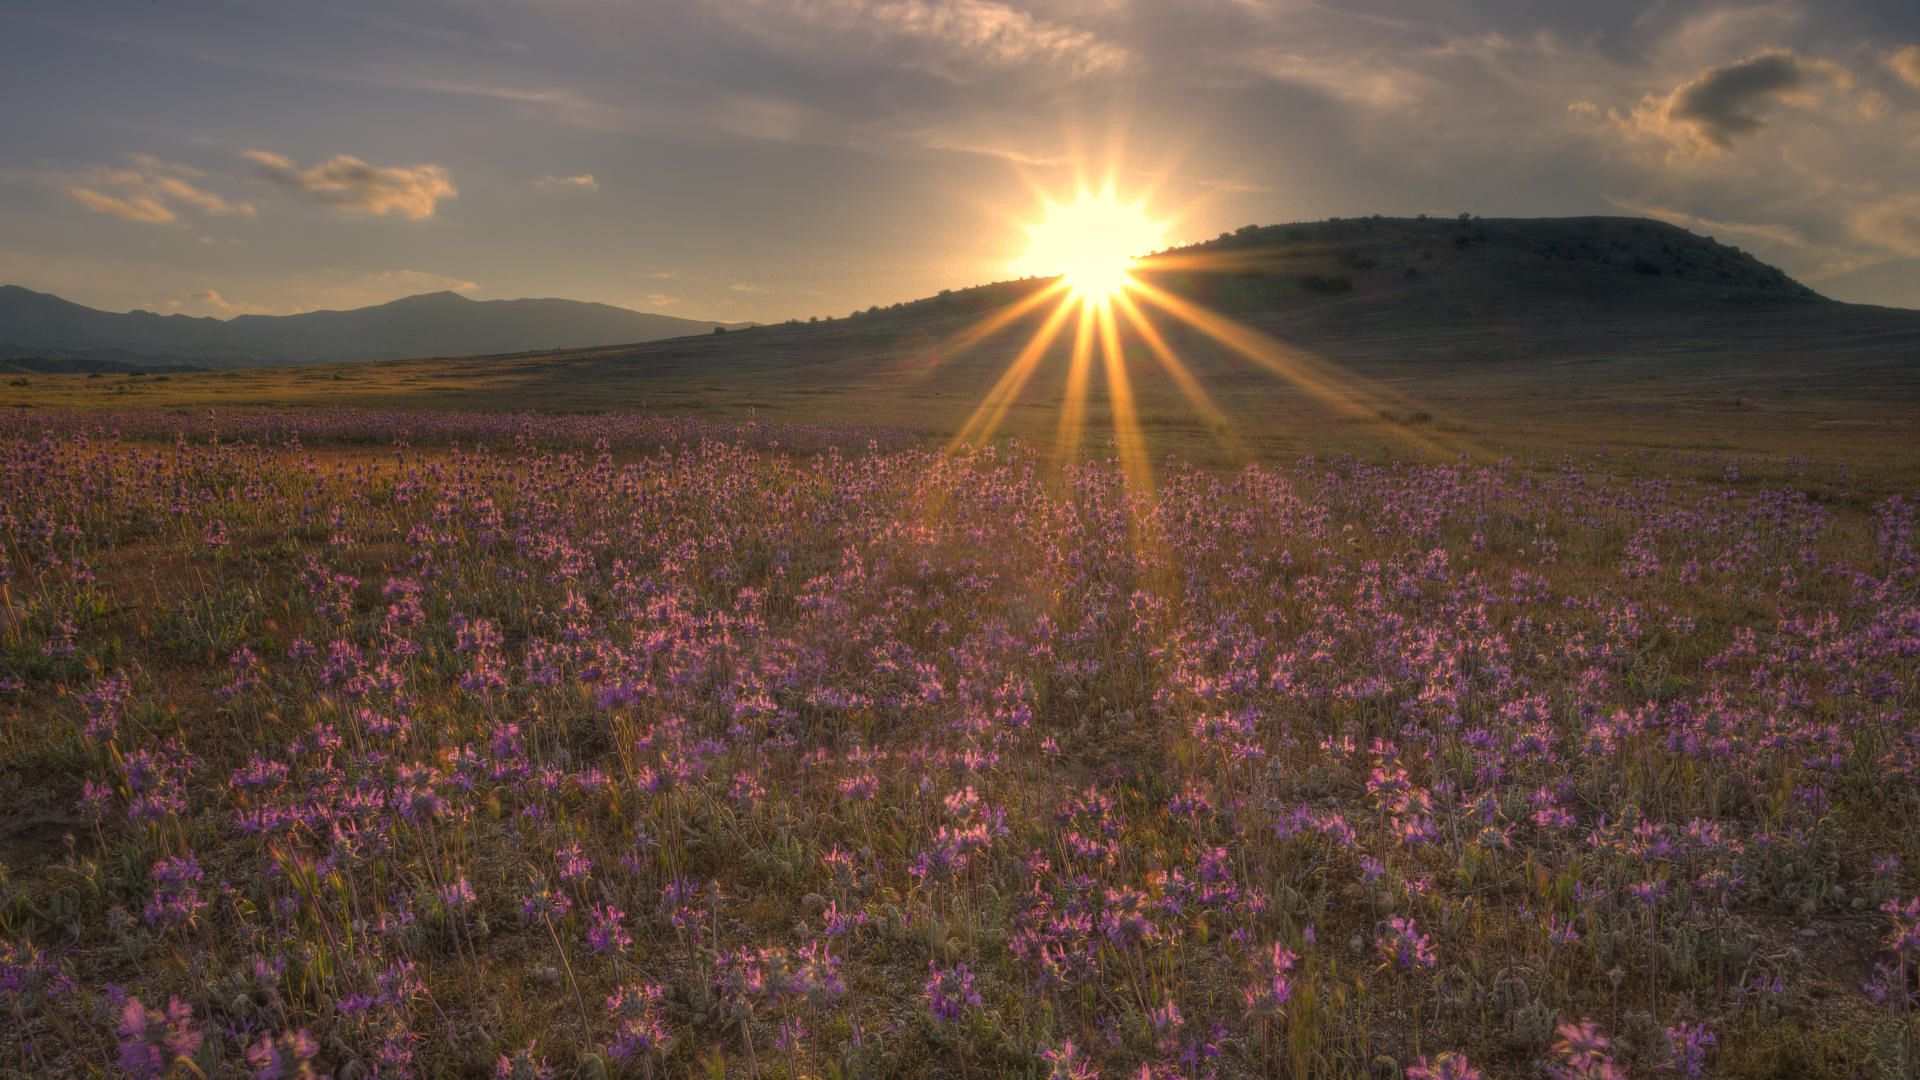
column 1527, row 692
column 434, row 744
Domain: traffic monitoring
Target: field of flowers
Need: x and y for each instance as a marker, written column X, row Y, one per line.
column 363, row 744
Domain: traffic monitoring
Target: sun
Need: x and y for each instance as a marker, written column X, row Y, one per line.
column 1092, row 243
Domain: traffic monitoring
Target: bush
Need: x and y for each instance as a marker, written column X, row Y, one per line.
column 1326, row 283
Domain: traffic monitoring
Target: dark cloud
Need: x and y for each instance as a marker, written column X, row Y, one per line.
column 1725, row 103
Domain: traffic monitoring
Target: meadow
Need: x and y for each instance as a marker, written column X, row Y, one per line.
column 366, row 743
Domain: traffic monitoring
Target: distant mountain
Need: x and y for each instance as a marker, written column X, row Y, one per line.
column 42, row 326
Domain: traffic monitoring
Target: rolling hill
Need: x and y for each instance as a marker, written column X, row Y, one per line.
column 1381, row 332
column 42, row 326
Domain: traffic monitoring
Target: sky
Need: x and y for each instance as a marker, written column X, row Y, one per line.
column 767, row 159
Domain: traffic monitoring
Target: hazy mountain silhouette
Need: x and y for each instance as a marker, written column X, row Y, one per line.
column 432, row 324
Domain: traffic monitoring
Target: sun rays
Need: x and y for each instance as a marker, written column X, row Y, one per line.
column 1107, row 306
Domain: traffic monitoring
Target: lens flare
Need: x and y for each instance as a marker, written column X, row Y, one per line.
column 1091, row 243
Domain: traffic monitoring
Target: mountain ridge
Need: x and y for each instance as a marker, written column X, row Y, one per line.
column 1348, row 335
column 44, row 326
column 1326, row 259
column 1445, row 289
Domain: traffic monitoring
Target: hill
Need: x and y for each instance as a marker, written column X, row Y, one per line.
column 1376, row 334
column 42, row 326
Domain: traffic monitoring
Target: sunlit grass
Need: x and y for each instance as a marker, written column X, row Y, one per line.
column 642, row 747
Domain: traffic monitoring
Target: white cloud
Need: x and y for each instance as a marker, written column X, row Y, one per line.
column 1906, row 64
column 1826, row 259
column 1360, row 80
column 960, row 142
column 1892, row 223
column 580, row 181
column 140, row 208
column 957, row 39
column 153, row 192
column 769, row 119
column 412, row 191
column 209, row 301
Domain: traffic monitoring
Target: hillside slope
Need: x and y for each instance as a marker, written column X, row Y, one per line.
column 1374, row 333
column 1572, row 307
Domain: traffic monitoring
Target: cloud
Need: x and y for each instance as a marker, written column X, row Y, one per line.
column 1725, row 103
column 1825, row 259
column 1906, row 64
column 1892, row 223
column 954, row 39
column 210, row 300
column 753, row 289
column 933, row 111
column 1779, row 234
column 1360, row 80
column 153, row 192
column 337, row 290
column 582, row 181
column 383, row 285
column 759, row 116
column 331, row 290
column 957, row 143
column 135, row 208
column 412, row 191
column 660, row 300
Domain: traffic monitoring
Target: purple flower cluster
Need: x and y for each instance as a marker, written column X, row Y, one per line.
column 950, row 992
column 151, row 1041
column 399, row 739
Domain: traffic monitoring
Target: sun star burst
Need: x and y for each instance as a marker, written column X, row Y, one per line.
column 1091, row 243
column 1097, row 318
